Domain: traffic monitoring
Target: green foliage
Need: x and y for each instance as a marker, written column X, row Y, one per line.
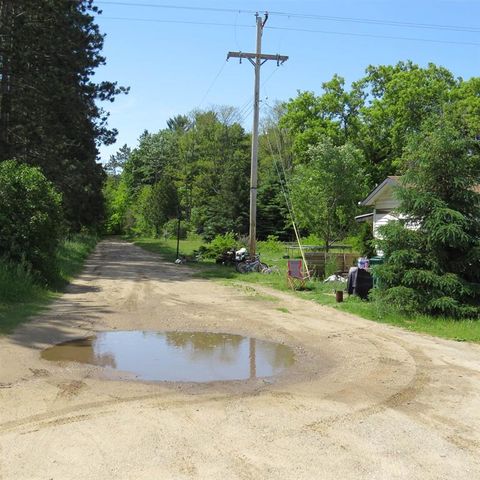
column 363, row 241
column 220, row 184
column 434, row 263
column 325, row 191
column 162, row 205
column 50, row 114
column 21, row 295
column 170, row 229
column 220, row 244
column 30, row 218
column 136, row 221
column 312, row 239
column 151, row 160
column 16, row 282
column 331, row 266
column 271, row 245
column 116, row 205
column 117, row 161
column 205, row 159
column 378, row 112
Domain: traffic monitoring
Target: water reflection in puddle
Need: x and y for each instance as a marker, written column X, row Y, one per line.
column 177, row 356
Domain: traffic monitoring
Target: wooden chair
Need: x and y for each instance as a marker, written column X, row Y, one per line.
column 296, row 275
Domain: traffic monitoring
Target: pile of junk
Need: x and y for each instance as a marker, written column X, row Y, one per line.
column 232, row 256
column 359, row 280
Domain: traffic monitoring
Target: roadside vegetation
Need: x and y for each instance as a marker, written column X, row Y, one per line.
column 22, row 294
column 51, row 123
column 323, row 293
column 319, row 156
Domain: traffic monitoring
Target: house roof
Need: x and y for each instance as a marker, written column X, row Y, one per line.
column 373, row 195
column 390, row 181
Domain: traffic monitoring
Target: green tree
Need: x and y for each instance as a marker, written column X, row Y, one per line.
column 214, row 176
column 117, row 203
column 432, row 253
column 325, row 191
column 117, row 162
column 400, row 98
column 377, row 113
column 30, row 218
column 50, row 107
column 155, row 156
column 163, row 205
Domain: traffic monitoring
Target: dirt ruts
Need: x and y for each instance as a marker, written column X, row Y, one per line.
column 363, row 400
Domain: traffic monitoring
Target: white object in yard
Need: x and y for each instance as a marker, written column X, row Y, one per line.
column 335, row 278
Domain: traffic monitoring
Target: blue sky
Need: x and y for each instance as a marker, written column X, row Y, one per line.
column 173, row 68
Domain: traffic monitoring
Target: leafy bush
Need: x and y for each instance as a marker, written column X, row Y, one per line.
column 401, row 299
column 16, row 282
column 272, row 245
column 116, row 203
column 170, row 229
column 363, row 242
column 331, row 266
column 30, row 218
column 312, row 239
column 220, row 244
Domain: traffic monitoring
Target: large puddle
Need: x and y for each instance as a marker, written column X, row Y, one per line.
column 177, row 356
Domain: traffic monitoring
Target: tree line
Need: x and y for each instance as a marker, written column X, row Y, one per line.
column 320, row 154
column 50, row 120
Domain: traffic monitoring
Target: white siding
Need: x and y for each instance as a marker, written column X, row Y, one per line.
column 380, row 219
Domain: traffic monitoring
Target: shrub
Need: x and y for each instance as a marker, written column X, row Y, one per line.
column 16, row 282
column 170, row 229
column 30, row 218
column 363, row 242
column 220, row 244
column 331, row 266
column 272, row 244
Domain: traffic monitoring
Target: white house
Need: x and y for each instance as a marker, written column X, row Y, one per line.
column 382, row 200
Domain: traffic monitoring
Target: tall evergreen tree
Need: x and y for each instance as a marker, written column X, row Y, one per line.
column 432, row 254
column 49, row 114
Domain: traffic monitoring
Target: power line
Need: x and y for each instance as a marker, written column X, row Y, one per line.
column 181, row 22
column 289, row 29
column 213, row 83
column 175, row 7
column 390, row 23
column 247, row 107
column 369, row 21
column 372, row 35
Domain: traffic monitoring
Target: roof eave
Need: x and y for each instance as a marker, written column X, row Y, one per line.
column 368, row 201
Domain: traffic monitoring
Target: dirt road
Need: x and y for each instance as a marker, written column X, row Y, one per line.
column 363, row 401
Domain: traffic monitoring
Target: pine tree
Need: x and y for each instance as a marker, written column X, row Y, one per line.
column 49, row 113
column 432, row 254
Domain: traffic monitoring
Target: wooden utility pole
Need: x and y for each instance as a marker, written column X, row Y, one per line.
column 257, row 60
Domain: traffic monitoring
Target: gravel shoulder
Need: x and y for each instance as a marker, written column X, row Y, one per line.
column 363, row 401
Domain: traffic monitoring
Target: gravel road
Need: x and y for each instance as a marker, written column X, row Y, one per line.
column 363, row 400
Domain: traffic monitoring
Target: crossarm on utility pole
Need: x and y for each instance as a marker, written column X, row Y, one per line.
column 253, row 56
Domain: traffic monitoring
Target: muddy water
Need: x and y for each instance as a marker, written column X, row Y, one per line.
column 177, row 356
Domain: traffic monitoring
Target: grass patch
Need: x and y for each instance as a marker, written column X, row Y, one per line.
column 21, row 296
column 460, row 330
column 168, row 248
